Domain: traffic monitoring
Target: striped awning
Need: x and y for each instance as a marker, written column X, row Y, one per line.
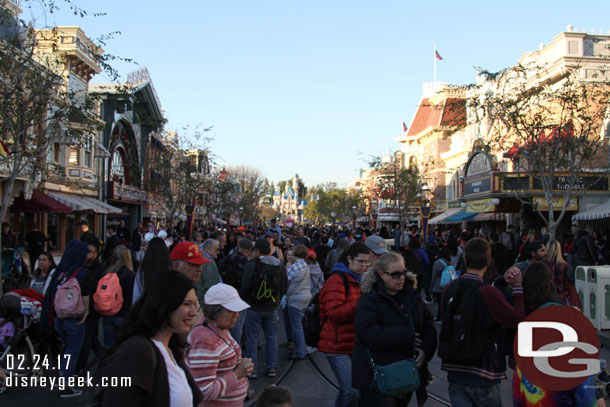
column 443, row 216
column 81, row 203
column 599, row 212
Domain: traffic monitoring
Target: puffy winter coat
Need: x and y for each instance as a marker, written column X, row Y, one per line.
column 337, row 312
column 382, row 325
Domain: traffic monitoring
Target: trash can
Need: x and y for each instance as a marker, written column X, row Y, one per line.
column 580, row 282
column 598, row 296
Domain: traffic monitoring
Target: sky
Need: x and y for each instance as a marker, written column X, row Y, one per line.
column 314, row 87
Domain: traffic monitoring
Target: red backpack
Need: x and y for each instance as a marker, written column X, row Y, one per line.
column 108, row 297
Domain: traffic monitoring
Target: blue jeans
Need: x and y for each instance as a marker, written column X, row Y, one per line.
column 268, row 320
column 72, row 336
column 111, row 326
column 287, row 325
column 295, row 316
column 341, row 364
column 467, row 396
column 238, row 329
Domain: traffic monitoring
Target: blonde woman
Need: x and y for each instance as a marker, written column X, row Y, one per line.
column 566, row 292
column 120, row 264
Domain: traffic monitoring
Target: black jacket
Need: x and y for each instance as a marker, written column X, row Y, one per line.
column 585, row 253
column 502, row 257
column 382, row 326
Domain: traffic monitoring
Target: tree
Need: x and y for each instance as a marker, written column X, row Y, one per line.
column 548, row 125
column 252, row 189
column 181, row 180
column 395, row 183
column 40, row 105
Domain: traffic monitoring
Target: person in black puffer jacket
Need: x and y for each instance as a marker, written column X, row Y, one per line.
column 389, row 298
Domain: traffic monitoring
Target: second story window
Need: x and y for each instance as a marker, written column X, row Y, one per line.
column 57, row 153
column 74, row 157
column 88, row 145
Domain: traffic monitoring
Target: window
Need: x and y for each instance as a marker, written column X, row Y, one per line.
column 74, row 158
column 88, row 144
column 57, row 153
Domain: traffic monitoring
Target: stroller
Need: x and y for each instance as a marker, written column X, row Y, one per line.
column 22, row 309
column 14, row 272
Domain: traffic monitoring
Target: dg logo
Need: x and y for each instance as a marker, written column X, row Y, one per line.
column 557, row 348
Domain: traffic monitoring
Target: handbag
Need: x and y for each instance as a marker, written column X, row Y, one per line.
column 396, row 378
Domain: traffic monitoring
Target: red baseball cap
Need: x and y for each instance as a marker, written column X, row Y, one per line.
column 189, row 252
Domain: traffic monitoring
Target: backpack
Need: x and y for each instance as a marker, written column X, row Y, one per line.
column 108, row 297
column 448, row 275
column 265, row 284
column 463, row 336
column 68, row 302
column 311, row 317
column 231, row 270
column 507, row 240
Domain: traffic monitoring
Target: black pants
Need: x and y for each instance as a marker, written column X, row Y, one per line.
column 372, row 399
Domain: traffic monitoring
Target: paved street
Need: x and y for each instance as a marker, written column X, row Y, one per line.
column 308, row 387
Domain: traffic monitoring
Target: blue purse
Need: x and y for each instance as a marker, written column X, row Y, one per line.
column 400, row 377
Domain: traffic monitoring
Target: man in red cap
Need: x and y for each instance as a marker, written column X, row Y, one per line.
column 187, row 259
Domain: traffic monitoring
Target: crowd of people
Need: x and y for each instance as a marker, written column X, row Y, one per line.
column 182, row 317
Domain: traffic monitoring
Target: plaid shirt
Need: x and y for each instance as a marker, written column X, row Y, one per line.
column 296, row 269
column 560, row 278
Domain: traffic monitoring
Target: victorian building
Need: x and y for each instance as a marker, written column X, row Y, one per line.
column 132, row 117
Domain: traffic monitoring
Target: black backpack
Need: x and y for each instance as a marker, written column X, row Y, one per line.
column 265, row 287
column 231, row 269
column 311, row 318
column 463, row 333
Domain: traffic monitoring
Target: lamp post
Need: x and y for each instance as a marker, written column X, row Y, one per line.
column 240, row 212
column 374, row 208
column 425, row 209
column 354, row 208
column 332, row 216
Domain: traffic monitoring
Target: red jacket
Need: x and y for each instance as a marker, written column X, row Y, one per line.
column 337, row 314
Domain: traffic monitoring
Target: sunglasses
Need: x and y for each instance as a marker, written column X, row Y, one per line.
column 397, row 274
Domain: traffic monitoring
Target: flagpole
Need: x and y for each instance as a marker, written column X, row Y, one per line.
column 434, row 57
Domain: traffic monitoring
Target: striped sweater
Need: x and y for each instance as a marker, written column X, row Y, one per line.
column 213, row 357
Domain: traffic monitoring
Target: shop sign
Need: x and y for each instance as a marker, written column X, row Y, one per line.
column 541, row 203
column 454, row 204
column 479, row 163
column 477, row 186
column 480, row 205
column 583, row 183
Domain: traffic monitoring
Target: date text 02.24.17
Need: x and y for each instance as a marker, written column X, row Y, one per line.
column 38, row 362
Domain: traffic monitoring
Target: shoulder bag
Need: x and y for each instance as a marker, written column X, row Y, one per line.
column 396, row 378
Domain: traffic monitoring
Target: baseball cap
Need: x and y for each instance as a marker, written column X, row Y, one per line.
column 376, row 244
column 225, row 295
column 189, row 252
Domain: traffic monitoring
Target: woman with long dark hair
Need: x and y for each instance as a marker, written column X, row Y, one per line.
column 44, row 273
column 155, row 261
column 150, row 348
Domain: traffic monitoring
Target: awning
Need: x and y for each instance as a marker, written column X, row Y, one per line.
column 80, row 203
column 599, row 212
column 461, row 217
column 443, row 216
column 39, row 203
column 489, row 217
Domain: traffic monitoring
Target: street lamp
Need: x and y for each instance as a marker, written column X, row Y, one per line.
column 240, row 212
column 332, row 215
column 354, row 208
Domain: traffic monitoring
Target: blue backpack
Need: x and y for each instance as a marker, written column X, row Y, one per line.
column 448, row 275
